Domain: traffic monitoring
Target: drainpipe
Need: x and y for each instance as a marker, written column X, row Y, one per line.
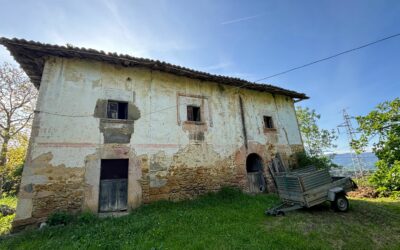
column 243, row 121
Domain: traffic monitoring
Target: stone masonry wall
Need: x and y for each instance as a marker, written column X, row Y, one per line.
column 62, row 189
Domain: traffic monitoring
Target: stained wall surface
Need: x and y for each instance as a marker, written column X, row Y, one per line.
column 169, row 157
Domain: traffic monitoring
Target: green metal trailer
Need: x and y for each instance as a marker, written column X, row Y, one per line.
column 308, row 187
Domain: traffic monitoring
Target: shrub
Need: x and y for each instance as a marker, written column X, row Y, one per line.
column 5, row 221
column 321, row 162
column 229, row 193
column 86, row 217
column 60, row 218
column 12, row 179
column 387, row 178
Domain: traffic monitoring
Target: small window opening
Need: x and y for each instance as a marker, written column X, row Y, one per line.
column 114, row 169
column 117, row 110
column 193, row 113
column 268, row 123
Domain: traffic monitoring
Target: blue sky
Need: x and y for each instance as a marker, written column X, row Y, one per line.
column 246, row 39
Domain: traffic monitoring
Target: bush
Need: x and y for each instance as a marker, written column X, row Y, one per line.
column 5, row 221
column 60, row 218
column 64, row 218
column 387, row 178
column 319, row 162
column 12, row 179
column 5, row 224
column 86, row 217
column 229, row 193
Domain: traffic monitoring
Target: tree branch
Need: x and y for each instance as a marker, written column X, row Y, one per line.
column 22, row 126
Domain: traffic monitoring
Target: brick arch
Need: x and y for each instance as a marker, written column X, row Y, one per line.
column 266, row 153
column 266, row 157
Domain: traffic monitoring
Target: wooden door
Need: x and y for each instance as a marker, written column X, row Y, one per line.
column 256, row 182
column 113, row 195
column 255, row 177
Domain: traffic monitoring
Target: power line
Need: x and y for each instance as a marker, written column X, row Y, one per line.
column 58, row 114
column 299, row 67
column 330, row 57
column 320, row 60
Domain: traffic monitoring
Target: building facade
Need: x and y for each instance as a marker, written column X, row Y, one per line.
column 111, row 132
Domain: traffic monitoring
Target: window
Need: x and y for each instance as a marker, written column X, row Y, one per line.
column 117, row 110
column 268, row 122
column 193, row 113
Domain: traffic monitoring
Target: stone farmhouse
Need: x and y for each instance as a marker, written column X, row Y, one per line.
column 112, row 132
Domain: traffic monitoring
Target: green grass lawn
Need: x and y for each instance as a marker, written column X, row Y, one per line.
column 226, row 220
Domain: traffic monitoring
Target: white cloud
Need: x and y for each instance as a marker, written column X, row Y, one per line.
column 107, row 26
column 218, row 66
column 141, row 38
column 240, row 19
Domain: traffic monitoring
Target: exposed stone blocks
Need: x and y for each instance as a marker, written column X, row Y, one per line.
column 183, row 182
column 65, row 195
column 60, row 189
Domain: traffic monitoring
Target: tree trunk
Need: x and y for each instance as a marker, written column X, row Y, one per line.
column 4, row 148
column 3, row 156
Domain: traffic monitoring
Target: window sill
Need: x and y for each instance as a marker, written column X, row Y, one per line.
column 110, row 120
column 194, row 123
column 270, row 130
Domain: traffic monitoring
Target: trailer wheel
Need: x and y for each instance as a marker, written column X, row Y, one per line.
column 280, row 213
column 341, row 203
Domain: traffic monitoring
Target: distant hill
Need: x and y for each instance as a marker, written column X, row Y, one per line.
column 344, row 160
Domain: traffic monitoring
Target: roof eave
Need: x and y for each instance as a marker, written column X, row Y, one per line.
column 31, row 56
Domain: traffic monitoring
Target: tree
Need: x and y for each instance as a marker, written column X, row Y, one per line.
column 12, row 171
column 316, row 141
column 17, row 100
column 384, row 123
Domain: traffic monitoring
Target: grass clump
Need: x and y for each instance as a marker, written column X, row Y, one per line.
column 65, row 218
column 60, row 218
column 86, row 217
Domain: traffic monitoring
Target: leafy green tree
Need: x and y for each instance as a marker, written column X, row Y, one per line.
column 316, row 140
column 382, row 123
column 12, row 171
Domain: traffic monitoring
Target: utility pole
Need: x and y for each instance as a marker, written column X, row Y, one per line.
column 357, row 162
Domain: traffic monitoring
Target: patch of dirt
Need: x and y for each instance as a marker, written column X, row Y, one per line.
column 364, row 192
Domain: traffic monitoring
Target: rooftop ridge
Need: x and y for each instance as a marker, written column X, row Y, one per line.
column 30, row 55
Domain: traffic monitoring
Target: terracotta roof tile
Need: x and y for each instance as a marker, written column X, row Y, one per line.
column 31, row 55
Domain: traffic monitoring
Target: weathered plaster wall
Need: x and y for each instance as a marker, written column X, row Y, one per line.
column 169, row 158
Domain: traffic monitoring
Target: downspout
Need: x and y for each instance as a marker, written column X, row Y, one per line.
column 243, row 122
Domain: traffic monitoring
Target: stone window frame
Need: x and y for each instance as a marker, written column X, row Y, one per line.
column 118, row 102
column 203, row 118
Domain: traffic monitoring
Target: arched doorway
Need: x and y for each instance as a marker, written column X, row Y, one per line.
column 254, row 167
